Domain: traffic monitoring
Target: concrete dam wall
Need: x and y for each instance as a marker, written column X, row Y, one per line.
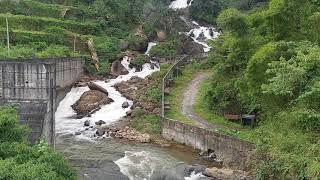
column 36, row 86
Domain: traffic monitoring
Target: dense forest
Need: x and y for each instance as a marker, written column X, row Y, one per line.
column 266, row 62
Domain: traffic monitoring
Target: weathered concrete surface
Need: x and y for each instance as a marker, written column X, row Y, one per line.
column 234, row 152
column 36, row 86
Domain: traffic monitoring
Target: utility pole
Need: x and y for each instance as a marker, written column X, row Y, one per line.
column 8, row 39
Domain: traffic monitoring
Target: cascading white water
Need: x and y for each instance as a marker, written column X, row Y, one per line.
column 64, row 116
column 194, row 176
column 180, row 4
column 150, row 46
column 141, row 166
column 199, row 34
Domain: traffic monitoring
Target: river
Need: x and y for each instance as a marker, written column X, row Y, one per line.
column 114, row 159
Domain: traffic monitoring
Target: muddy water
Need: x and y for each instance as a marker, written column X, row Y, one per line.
column 97, row 160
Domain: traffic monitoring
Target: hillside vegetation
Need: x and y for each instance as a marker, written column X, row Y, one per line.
column 40, row 28
column 19, row 160
column 266, row 62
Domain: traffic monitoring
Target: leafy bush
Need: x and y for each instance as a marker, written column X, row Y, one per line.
column 35, row 8
column 168, row 49
column 56, row 51
column 155, row 93
column 139, row 60
column 19, row 51
column 18, row 160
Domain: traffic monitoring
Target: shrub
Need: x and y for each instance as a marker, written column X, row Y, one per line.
column 56, row 51
column 18, row 160
column 169, row 49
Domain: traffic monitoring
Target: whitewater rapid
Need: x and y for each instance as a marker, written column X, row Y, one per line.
column 66, row 123
column 180, row 4
column 199, row 34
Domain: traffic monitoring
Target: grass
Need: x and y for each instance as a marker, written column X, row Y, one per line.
column 150, row 124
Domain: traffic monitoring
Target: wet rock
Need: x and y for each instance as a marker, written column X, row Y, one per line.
column 189, row 46
column 211, row 157
column 87, row 123
column 77, row 133
column 100, row 132
column 125, row 105
column 90, row 102
column 80, row 84
column 100, row 122
column 128, row 113
column 152, row 66
column 118, row 69
column 94, row 86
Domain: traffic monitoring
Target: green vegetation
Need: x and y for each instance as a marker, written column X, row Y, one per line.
column 208, row 10
column 40, row 28
column 19, row 160
column 266, row 63
column 154, row 90
column 201, row 108
column 168, row 49
column 150, row 124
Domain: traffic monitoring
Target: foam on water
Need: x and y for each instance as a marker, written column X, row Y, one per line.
column 150, row 45
column 64, row 116
column 180, row 4
column 194, row 176
column 201, row 35
column 138, row 165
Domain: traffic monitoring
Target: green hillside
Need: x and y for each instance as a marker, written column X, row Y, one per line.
column 62, row 28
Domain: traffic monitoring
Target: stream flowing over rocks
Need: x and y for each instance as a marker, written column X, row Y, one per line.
column 87, row 107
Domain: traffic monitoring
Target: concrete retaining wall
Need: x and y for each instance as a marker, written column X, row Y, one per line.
column 234, row 152
column 33, row 85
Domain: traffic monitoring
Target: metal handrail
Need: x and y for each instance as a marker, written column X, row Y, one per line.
column 165, row 78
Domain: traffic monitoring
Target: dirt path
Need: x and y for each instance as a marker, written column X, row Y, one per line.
column 189, row 100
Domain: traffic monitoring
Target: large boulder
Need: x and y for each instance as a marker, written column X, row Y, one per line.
column 89, row 102
column 189, row 46
column 94, row 86
column 118, row 69
column 161, row 36
column 138, row 42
